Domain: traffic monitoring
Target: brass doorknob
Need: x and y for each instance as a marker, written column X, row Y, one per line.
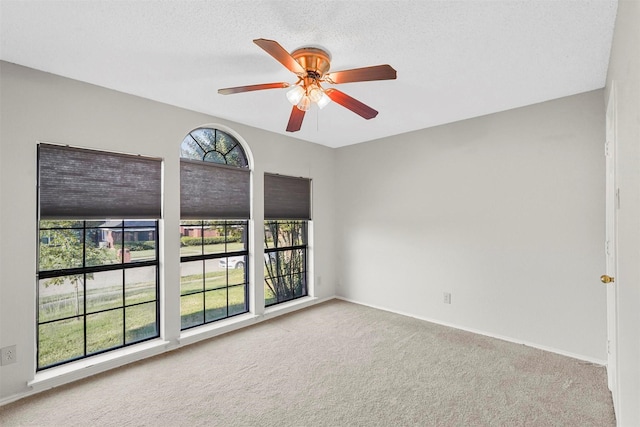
column 606, row 279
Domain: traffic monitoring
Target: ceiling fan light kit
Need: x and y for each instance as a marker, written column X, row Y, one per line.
column 311, row 65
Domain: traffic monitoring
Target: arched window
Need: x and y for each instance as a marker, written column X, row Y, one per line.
column 214, row 211
column 215, row 146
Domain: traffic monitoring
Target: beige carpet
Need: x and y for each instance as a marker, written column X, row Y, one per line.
column 335, row 364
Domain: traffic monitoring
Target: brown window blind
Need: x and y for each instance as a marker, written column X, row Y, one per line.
column 76, row 183
column 214, row 191
column 287, row 197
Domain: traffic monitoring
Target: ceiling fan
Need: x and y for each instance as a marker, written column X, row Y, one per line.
column 311, row 65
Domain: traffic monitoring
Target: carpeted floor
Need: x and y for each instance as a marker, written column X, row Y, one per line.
column 334, row 364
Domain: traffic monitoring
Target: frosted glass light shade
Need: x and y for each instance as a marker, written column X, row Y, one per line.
column 315, row 93
column 295, row 95
column 304, row 103
column 323, row 101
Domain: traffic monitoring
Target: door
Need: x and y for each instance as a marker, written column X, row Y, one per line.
column 612, row 200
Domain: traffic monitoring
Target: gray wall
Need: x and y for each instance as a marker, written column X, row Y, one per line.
column 37, row 106
column 624, row 70
column 505, row 212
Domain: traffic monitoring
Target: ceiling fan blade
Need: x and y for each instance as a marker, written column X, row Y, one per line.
column 377, row 72
column 295, row 120
column 240, row 89
column 274, row 49
column 351, row 103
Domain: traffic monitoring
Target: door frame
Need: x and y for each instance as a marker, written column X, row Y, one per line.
column 612, row 201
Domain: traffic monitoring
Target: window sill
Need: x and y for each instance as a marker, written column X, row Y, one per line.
column 217, row 328
column 290, row 306
column 95, row 364
column 214, row 329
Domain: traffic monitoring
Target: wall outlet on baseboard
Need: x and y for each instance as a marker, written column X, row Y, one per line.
column 447, row 297
column 8, row 355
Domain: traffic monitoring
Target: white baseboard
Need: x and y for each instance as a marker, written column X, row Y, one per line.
column 50, row 379
column 484, row 333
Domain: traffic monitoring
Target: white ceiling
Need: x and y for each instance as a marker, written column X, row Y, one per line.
column 455, row 59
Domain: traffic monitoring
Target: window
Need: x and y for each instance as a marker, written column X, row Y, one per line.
column 214, row 210
column 287, row 211
column 213, row 271
column 98, row 280
column 285, row 271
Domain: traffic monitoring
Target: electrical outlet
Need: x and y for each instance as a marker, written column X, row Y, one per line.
column 318, row 281
column 8, row 355
column 447, row 297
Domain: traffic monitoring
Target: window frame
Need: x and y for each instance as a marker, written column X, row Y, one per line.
column 204, row 257
column 277, row 250
column 209, row 154
column 85, row 271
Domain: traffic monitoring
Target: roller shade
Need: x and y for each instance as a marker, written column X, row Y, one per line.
column 214, row 191
column 287, row 197
column 77, row 183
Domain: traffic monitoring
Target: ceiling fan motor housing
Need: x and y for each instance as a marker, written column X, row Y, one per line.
column 316, row 61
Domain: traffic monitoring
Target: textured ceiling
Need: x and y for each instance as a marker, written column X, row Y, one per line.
column 455, row 59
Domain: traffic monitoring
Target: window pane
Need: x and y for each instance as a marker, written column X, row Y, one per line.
column 284, row 262
column 214, row 239
column 237, row 300
column 236, row 276
column 191, row 279
column 190, row 238
column 216, row 274
column 191, row 310
column 60, row 341
column 100, row 247
column 299, row 285
column 141, row 322
column 104, row 331
column 270, row 231
column 236, row 157
column 189, row 149
column 236, row 236
column 291, row 233
column 60, row 248
column 282, row 287
column 140, row 244
column 216, row 304
column 225, row 142
column 214, row 157
column 205, row 138
column 298, row 260
column 269, row 293
column 140, row 285
column 60, row 297
column 104, row 290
